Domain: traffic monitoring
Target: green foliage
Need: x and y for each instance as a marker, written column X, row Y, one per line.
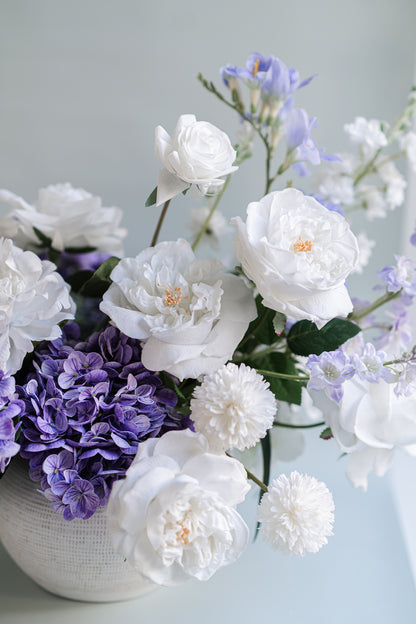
column 261, row 331
column 100, row 280
column 326, row 434
column 305, row 338
column 284, row 389
column 151, row 200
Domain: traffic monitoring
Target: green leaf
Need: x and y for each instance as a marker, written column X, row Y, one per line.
column 261, row 330
column 326, row 434
column 151, row 200
column 279, row 323
column 78, row 279
column 45, row 240
column 283, row 389
column 305, row 338
column 80, row 250
column 100, row 280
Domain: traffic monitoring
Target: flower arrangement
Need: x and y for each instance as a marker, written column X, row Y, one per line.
column 137, row 384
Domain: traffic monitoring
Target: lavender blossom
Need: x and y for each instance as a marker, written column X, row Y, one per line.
column 400, row 277
column 328, row 371
column 87, row 406
column 369, row 365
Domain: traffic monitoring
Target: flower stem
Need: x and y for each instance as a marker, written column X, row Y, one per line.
column 252, row 477
column 159, row 223
column 290, row 426
column 388, row 296
column 268, row 373
column 211, row 212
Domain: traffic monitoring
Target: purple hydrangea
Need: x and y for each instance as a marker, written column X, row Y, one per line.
column 11, row 409
column 87, row 408
column 328, row 371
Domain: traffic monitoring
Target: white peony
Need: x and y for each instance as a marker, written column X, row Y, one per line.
column 233, row 407
column 197, row 153
column 368, row 424
column 189, row 314
column 298, row 254
column 172, row 516
column 296, row 514
column 69, row 217
column 34, row 299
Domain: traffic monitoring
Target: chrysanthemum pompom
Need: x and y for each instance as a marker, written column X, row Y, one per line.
column 233, row 407
column 296, row 514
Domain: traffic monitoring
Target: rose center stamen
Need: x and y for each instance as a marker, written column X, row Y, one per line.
column 301, row 245
column 256, row 68
column 173, row 295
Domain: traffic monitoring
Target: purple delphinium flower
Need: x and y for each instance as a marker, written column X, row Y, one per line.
column 87, row 406
column 401, row 276
column 413, row 238
column 328, row 371
column 330, row 205
column 369, row 365
column 11, row 409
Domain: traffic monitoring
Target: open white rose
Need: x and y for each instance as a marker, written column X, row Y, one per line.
column 368, row 424
column 298, row 253
column 34, row 299
column 69, row 217
column 196, row 153
column 189, row 314
column 173, row 515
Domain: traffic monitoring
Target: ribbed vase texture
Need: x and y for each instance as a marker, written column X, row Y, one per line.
column 70, row 559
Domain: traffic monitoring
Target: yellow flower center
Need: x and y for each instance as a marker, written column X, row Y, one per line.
column 173, row 295
column 256, row 68
column 301, row 245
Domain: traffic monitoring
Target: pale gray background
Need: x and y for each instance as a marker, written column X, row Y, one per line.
column 83, row 85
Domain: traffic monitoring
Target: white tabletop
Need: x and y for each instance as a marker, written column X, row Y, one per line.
column 362, row 575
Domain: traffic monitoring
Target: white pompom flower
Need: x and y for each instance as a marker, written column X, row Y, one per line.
column 233, row 407
column 296, row 514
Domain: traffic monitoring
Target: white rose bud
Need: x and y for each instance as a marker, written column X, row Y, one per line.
column 197, row 153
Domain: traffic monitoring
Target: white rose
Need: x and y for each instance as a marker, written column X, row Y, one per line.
column 298, row 254
column 70, row 217
column 34, row 299
column 188, row 313
column 173, row 515
column 196, row 153
column 369, row 423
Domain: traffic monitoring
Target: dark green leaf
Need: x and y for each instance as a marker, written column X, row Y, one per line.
column 80, row 250
column 305, row 338
column 326, row 434
column 151, row 200
column 78, row 279
column 45, row 240
column 100, row 280
column 283, row 389
column 261, row 330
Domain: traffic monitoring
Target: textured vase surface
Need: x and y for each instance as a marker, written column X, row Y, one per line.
column 70, row 559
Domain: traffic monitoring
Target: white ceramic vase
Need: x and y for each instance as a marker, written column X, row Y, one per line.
column 70, row 559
